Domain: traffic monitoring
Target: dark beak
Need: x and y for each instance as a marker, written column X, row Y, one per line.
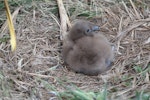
column 95, row 28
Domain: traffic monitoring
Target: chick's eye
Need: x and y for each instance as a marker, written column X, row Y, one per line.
column 88, row 30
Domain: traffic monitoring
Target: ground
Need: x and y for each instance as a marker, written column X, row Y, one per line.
column 36, row 70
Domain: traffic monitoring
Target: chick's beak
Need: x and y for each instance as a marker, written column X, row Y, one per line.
column 95, row 28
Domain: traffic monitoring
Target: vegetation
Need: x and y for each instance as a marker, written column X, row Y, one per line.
column 36, row 70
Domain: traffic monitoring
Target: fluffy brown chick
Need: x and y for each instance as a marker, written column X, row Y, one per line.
column 86, row 51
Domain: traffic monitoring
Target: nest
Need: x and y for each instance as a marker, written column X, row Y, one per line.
column 36, row 68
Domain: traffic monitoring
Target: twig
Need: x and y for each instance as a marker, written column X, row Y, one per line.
column 37, row 75
column 5, row 25
column 64, row 19
column 127, row 10
column 137, row 14
column 127, row 30
column 131, row 27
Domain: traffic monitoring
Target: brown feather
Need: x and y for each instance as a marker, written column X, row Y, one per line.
column 90, row 53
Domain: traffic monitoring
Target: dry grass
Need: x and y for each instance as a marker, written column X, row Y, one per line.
column 36, row 70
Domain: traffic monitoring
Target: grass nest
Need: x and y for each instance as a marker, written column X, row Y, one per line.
column 36, row 70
